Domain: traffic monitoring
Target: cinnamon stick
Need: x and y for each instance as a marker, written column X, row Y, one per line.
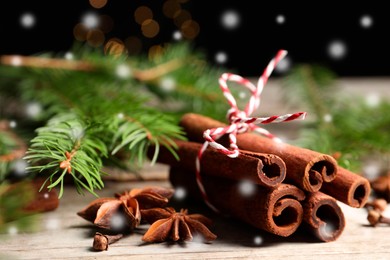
column 306, row 169
column 349, row 188
column 276, row 210
column 263, row 169
column 323, row 216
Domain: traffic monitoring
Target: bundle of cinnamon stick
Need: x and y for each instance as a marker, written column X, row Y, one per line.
column 289, row 186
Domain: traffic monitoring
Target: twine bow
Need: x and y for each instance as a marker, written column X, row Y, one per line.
column 240, row 121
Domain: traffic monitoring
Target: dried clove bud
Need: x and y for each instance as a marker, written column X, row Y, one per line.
column 101, row 241
column 374, row 218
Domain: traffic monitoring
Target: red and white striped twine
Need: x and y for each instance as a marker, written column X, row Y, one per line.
column 240, row 121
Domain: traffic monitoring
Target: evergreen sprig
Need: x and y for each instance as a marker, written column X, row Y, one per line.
column 97, row 107
column 68, row 146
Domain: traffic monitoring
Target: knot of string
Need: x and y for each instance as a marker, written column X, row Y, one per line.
column 240, row 121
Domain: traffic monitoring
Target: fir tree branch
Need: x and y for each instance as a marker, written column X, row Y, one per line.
column 66, row 146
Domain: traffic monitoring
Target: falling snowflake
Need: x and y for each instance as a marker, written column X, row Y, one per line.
column 123, row 71
column 52, row 223
column 283, row 66
column 230, row 19
column 118, row 222
column 280, row 19
column 13, row 124
column 177, row 35
column 16, row 61
column 221, row 57
column 328, row 118
column 366, row 21
column 69, row 56
column 258, row 240
column 168, row 84
column 373, row 100
column 180, row 193
column 12, row 230
column 337, row 49
column 27, row 20
column 33, row 109
column 246, row 188
column 19, row 168
column 90, row 20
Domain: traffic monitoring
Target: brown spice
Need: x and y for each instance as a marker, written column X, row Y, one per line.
column 126, row 207
column 101, row 241
column 375, row 217
column 263, row 169
column 276, row 210
column 307, row 169
column 169, row 225
column 323, row 216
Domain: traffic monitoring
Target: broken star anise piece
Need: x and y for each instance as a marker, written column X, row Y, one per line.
column 169, row 225
column 122, row 212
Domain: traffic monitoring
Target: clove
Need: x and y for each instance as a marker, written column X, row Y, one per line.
column 374, row 217
column 101, row 241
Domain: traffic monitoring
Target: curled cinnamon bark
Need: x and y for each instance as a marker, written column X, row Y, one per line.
column 276, row 210
column 323, row 216
column 263, row 169
column 306, row 169
column 349, row 188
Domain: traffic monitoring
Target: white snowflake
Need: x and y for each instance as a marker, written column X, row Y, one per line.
column 13, row 124
column 90, row 20
column 230, row 19
column 221, row 57
column 366, row 21
column 280, row 19
column 16, row 61
column 123, row 71
column 19, row 167
column 168, row 84
column 258, row 240
column 328, row 118
column 52, row 223
column 337, row 49
column 12, row 230
column 177, row 35
column 373, row 100
column 33, row 109
column 284, row 65
column 118, row 222
column 246, row 188
column 180, row 193
column 27, row 20
column 69, row 55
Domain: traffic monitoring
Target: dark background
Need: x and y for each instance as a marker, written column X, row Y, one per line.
column 306, row 33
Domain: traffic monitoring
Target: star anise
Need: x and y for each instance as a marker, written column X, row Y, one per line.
column 167, row 224
column 122, row 212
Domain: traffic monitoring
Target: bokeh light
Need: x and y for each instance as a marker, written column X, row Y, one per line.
column 150, row 28
column 95, row 38
column 142, row 13
column 190, row 29
column 133, row 45
column 97, row 3
column 115, row 47
column 170, row 8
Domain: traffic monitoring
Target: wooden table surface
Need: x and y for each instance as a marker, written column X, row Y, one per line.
column 64, row 235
